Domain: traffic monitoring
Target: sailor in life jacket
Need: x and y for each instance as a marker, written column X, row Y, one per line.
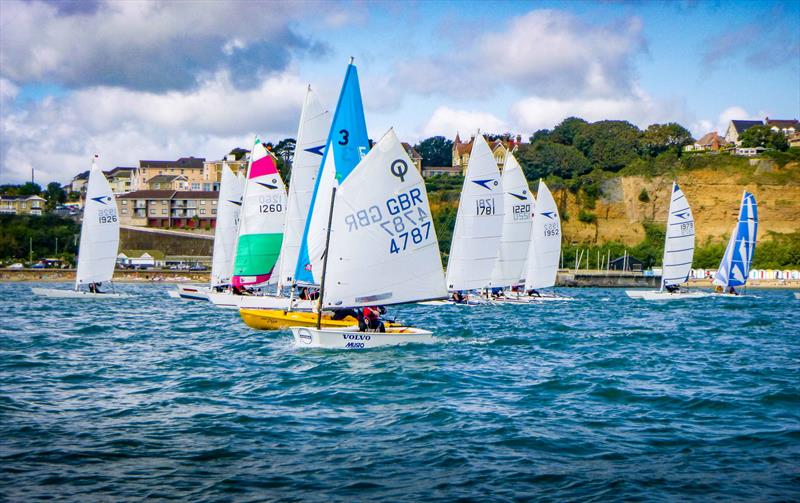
column 370, row 319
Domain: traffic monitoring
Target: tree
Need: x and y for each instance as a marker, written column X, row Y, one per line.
column 285, row 149
column 609, row 145
column 658, row 138
column 565, row 132
column 435, row 151
column 764, row 136
column 542, row 159
column 26, row 189
column 54, row 195
column 540, row 135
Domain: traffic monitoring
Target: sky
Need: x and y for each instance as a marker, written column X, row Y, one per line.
column 159, row 80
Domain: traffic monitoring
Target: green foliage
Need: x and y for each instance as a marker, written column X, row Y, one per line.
column 609, row 145
column 586, row 217
column 26, row 189
column 54, row 195
column 16, row 232
column 784, row 158
column 651, row 249
column 764, row 136
column 542, row 159
column 659, row 138
column 644, row 196
column 438, row 183
column 780, row 251
column 444, row 221
column 435, row 151
column 566, row 132
column 708, row 255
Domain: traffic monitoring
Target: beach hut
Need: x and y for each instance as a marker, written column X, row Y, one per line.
column 795, row 274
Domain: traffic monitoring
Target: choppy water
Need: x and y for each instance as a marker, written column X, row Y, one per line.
column 603, row 398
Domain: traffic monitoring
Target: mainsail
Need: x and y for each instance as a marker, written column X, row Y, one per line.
column 545, row 244
column 315, row 124
column 516, row 233
column 97, row 255
column 347, row 144
column 479, row 222
column 383, row 247
column 229, row 205
column 735, row 265
column 261, row 220
column 678, row 241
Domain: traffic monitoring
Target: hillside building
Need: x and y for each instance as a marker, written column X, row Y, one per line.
column 736, row 128
column 189, row 167
column 22, row 205
column 168, row 208
column 500, row 149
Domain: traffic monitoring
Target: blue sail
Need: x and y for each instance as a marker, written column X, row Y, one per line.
column 738, row 257
column 347, row 143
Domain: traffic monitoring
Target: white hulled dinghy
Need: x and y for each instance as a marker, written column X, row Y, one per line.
column 229, row 204
column 260, row 228
column 544, row 251
column 381, row 248
column 478, row 230
column 97, row 252
column 734, row 268
column 678, row 253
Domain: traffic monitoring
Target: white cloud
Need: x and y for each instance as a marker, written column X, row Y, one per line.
column 446, row 121
column 640, row 108
column 57, row 136
column 553, row 52
column 144, row 44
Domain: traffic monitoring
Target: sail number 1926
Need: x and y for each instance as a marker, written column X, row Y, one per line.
column 107, row 216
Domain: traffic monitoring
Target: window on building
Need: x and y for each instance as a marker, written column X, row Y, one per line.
column 203, row 201
column 163, row 211
column 182, row 171
column 22, row 205
column 124, row 211
column 195, row 186
column 202, row 211
column 152, row 211
column 124, row 202
column 213, row 211
column 214, row 202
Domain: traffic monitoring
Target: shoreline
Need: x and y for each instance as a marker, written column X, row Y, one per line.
column 170, row 276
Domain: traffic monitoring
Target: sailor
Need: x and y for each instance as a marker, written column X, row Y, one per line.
column 732, row 291
column 459, row 298
column 532, row 292
column 672, row 288
column 95, row 287
column 340, row 314
column 370, row 320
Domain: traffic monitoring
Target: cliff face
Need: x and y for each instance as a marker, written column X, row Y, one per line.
column 714, row 196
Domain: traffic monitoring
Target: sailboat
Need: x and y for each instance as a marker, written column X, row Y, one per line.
column 678, row 253
column 260, row 230
column 315, row 123
column 347, row 143
column 97, row 254
column 544, row 248
column 380, row 248
column 516, row 231
column 479, row 226
column 735, row 265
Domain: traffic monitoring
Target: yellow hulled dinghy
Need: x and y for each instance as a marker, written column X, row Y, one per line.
column 273, row 319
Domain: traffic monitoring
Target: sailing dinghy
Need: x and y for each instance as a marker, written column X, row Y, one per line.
column 678, row 253
column 260, row 229
column 479, row 227
column 380, row 248
column 315, row 123
column 544, row 251
column 97, row 254
column 345, row 145
column 738, row 257
column 229, row 204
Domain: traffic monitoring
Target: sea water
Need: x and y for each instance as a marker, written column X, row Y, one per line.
column 601, row 398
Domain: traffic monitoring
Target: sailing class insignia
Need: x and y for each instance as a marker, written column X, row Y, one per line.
column 399, row 169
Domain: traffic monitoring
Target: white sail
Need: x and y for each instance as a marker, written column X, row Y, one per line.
column 545, row 244
column 479, row 222
column 516, row 233
column 383, row 247
column 315, row 123
column 229, row 205
column 678, row 241
column 97, row 255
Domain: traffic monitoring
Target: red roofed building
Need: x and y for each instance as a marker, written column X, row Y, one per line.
column 499, row 147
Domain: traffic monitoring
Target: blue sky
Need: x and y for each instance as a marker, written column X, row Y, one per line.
column 150, row 80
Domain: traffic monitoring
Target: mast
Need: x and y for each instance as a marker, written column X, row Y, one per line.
column 325, row 261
